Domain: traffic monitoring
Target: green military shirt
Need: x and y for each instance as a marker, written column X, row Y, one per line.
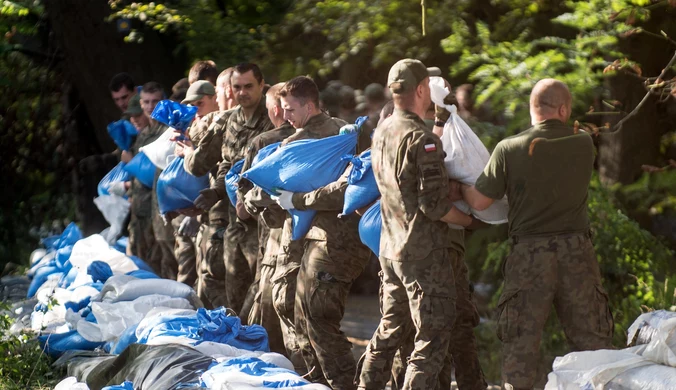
column 547, row 192
column 408, row 162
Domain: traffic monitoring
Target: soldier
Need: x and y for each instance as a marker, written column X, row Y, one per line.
column 241, row 236
column 416, row 255
column 203, row 70
column 545, row 173
column 121, row 90
column 202, row 156
column 270, row 224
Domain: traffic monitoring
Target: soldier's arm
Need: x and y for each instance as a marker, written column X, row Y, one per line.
column 207, row 153
column 490, row 185
column 327, row 198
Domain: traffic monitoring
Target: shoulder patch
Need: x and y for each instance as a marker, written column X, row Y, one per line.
column 430, row 148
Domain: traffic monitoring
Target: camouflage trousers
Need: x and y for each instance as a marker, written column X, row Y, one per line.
column 186, row 255
column 141, row 238
column 163, row 256
column 417, row 295
column 463, row 354
column 283, row 289
column 559, row 270
column 240, row 248
column 211, row 266
column 263, row 312
column 324, row 280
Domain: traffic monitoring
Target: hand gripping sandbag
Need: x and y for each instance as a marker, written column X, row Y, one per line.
column 159, row 150
column 122, row 132
column 142, row 168
column 370, row 226
column 466, row 156
column 118, row 173
column 362, row 189
column 231, row 180
column 303, row 166
column 177, row 189
column 173, row 114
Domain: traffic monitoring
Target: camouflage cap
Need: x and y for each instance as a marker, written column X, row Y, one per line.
column 406, row 74
column 134, row 106
column 197, row 90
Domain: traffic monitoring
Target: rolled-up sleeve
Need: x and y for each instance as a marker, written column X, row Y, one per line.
column 493, row 180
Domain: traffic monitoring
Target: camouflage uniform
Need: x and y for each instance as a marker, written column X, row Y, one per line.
column 185, row 254
column 141, row 237
column 207, row 138
column 270, row 230
column 552, row 260
column 416, row 254
column 240, row 242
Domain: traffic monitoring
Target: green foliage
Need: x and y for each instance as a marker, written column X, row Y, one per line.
column 654, row 193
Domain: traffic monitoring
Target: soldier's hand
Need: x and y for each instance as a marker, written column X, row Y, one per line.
column 189, row 227
column 190, row 211
column 284, row 199
column 126, row 156
column 117, row 188
column 170, row 215
column 454, row 190
column 207, row 199
column 241, row 211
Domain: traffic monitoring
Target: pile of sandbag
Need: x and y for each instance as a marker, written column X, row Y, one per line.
column 649, row 362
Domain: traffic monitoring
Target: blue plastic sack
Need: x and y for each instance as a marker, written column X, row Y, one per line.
column 77, row 306
column 70, row 235
column 177, row 189
column 118, row 173
column 40, row 277
column 215, row 325
column 56, row 344
column 62, row 257
column 370, row 226
column 124, row 386
column 121, row 244
column 127, row 338
column 303, row 166
column 99, row 271
column 68, row 278
column 173, row 114
column 122, row 132
column 231, row 180
column 143, row 274
column 142, row 265
column 362, row 189
column 142, row 168
column 253, row 367
column 265, row 152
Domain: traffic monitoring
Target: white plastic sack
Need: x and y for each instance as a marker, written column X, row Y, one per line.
column 223, row 352
column 115, row 210
column 159, row 150
column 135, row 288
column 71, row 383
column 114, row 318
column 652, row 377
column 95, row 247
column 656, row 331
column 37, row 254
column 466, row 155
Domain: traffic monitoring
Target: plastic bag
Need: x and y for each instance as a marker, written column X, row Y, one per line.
column 71, row 234
column 466, row 156
column 127, row 288
column 657, row 332
column 217, row 326
column 56, row 344
column 370, row 226
column 231, row 180
column 142, row 168
column 71, row 383
column 99, row 271
column 126, row 385
column 303, row 166
column 160, row 150
column 115, row 210
column 177, row 189
column 173, row 114
column 115, row 175
column 95, row 247
column 362, row 189
column 122, row 132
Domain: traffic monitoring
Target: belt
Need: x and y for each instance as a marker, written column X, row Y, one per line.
column 518, row 239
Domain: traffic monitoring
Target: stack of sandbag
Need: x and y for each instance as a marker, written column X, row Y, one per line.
column 648, row 363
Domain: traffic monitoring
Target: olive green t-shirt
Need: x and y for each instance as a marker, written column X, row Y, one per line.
column 546, row 191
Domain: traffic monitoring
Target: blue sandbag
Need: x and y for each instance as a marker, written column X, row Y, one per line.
column 40, row 277
column 177, row 189
column 142, row 265
column 56, row 344
column 68, row 278
column 303, row 166
column 215, row 325
column 70, row 235
column 254, row 367
column 121, row 244
column 265, row 152
column 171, row 325
column 143, row 274
column 173, row 114
column 231, row 180
column 370, row 226
column 77, row 306
column 362, row 189
column 142, row 168
column 116, row 174
column 126, row 338
column 124, row 386
column 99, row 271
column 122, row 132
column 62, row 257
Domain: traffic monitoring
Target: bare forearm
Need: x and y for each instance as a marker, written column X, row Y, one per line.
column 457, row 217
column 475, row 199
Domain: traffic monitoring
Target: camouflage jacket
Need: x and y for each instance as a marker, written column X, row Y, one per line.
column 141, row 196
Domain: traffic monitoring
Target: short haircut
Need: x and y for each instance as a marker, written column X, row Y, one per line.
column 247, row 66
column 203, row 70
column 121, row 80
column 273, row 93
column 152, row 87
column 224, row 78
column 180, row 84
column 388, row 108
column 303, row 89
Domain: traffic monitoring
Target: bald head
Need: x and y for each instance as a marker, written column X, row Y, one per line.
column 550, row 99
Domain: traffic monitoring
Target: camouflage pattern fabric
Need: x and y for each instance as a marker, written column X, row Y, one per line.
column 186, row 255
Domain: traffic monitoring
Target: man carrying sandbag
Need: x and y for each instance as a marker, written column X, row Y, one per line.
column 416, row 255
column 202, row 155
column 241, row 237
column 545, row 173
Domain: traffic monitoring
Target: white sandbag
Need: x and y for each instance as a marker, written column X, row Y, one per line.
column 657, row 332
column 466, row 156
column 159, row 150
column 113, row 318
column 41, row 263
column 132, row 289
column 95, row 247
column 115, row 210
column 37, row 254
column 145, row 328
column 71, row 383
column 592, row 369
column 652, row 377
column 223, row 352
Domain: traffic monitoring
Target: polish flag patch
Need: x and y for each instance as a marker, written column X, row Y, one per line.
column 430, row 148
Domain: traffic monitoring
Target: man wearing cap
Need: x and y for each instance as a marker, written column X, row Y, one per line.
column 202, row 95
column 416, row 255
